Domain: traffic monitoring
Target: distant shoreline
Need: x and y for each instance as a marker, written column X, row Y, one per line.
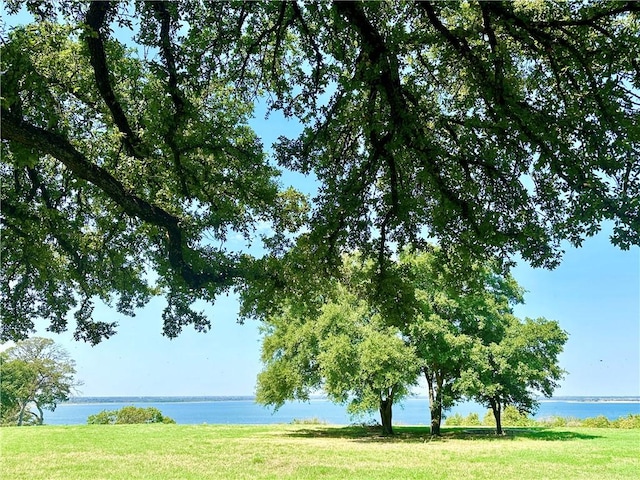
column 158, row 399
column 231, row 398
column 593, row 399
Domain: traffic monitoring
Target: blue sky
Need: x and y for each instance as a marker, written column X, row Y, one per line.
column 594, row 295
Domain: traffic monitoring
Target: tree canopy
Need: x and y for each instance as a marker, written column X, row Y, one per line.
column 34, row 373
column 345, row 348
column 348, row 341
column 128, row 163
column 451, row 313
column 517, row 368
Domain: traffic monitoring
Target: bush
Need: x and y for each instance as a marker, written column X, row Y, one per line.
column 596, row 422
column 513, row 418
column 553, row 421
column 454, row 420
column 510, row 417
column 457, row 420
column 472, row 419
column 129, row 415
column 630, row 421
column 105, row 417
column 308, row 421
column 489, row 420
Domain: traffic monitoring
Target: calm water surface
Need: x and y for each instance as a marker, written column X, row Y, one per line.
column 414, row 411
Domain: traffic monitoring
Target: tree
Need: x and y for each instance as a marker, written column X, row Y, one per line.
column 451, row 311
column 347, row 349
column 371, row 367
column 499, row 127
column 523, row 364
column 13, row 375
column 151, row 183
column 35, row 372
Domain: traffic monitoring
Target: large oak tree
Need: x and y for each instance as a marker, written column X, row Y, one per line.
column 345, row 349
column 128, row 163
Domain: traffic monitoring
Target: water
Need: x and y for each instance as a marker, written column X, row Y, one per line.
column 413, row 411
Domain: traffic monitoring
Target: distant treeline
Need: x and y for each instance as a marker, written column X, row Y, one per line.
column 151, row 399
column 223, row 398
column 593, row 399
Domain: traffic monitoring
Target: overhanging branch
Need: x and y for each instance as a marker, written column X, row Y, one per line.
column 46, row 142
column 95, row 19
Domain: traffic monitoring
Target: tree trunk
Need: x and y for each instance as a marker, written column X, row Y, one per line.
column 435, row 404
column 496, row 408
column 40, row 419
column 385, row 415
column 23, row 407
column 436, row 418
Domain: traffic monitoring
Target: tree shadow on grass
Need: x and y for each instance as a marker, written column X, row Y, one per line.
column 423, row 434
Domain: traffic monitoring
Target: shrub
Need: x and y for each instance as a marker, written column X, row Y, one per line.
column 457, row 420
column 512, row 417
column 308, row 421
column 128, row 415
column 553, row 421
column 489, row 420
column 472, row 419
column 454, row 420
column 630, row 421
column 105, row 417
column 596, row 422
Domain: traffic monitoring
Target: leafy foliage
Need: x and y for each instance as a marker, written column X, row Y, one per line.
column 511, row 417
column 129, row 168
column 451, row 313
column 630, row 421
column 346, row 348
column 34, row 373
column 515, row 369
column 596, row 422
column 422, row 319
column 124, row 172
column 458, row 420
column 127, row 415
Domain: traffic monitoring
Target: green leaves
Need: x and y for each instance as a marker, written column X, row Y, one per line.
column 119, row 172
column 499, row 128
column 35, row 371
column 345, row 348
column 517, row 368
column 129, row 415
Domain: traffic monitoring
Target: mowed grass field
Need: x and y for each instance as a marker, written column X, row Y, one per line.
column 314, row 451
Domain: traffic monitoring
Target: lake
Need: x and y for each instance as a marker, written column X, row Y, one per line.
column 413, row 411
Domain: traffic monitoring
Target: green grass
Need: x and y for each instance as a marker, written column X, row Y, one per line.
column 314, row 451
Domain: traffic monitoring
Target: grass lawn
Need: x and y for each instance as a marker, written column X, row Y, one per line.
column 314, row 451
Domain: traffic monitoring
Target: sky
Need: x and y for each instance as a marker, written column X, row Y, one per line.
column 594, row 295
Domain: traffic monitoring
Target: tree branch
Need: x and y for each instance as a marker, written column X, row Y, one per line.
column 177, row 98
column 590, row 21
column 14, row 129
column 95, row 19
